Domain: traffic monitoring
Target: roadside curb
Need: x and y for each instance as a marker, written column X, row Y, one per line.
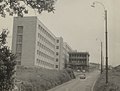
column 92, row 88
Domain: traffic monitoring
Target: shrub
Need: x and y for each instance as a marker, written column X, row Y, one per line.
column 44, row 79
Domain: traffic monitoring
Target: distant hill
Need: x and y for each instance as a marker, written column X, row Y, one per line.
column 93, row 66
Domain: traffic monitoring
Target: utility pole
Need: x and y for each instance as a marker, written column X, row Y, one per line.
column 106, row 38
column 101, row 59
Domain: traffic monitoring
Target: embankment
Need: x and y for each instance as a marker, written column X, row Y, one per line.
column 113, row 81
column 39, row 79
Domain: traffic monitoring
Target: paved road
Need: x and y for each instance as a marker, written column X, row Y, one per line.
column 79, row 84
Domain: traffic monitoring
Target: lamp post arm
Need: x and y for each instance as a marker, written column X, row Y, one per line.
column 100, row 4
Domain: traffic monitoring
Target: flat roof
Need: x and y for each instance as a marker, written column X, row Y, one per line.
column 78, row 52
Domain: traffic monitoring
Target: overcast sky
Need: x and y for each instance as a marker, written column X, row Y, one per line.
column 82, row 26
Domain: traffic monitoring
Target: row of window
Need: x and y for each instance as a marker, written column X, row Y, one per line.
column 19, row 43
column 46, row 33
column 45, row 48
column 41, row 62
column 45, row 40
column 77, row 59
column 77, row 55
column 45, row 55
column 82, row 62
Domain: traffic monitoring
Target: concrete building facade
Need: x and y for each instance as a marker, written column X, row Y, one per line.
column 33, row 43
column 79, row 60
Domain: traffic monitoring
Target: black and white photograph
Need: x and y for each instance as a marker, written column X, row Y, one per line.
column 59, row 45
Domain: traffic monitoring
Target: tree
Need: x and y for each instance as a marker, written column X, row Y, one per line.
column 7, row 64
column 15, row 6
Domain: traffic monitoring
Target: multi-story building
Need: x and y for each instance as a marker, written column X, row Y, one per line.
column 33, row 43
column 62, row 56
column 78, row 60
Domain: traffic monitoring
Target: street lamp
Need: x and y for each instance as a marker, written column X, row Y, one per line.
column 106, row 37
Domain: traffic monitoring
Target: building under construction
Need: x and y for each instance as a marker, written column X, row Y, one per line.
column 79, row 60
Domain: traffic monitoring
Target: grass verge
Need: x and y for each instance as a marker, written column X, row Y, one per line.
column 113, row 81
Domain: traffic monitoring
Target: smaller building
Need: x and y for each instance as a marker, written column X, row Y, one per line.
column 79, row 60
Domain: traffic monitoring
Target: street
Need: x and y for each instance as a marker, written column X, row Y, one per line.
column 79, row 84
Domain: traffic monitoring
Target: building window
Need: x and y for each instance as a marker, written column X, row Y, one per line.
column 57, row 60
column 19, row 44
column 37, row 60
column 38, row 43
column 37, row 51
column 19, row 47
column 18, row 62
column 57, row 41
column 56, row 53
column 18, row 56
column 20, row 29
column 56, row 66
column 39, row 27
column 57, row 47
column 19, row 38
